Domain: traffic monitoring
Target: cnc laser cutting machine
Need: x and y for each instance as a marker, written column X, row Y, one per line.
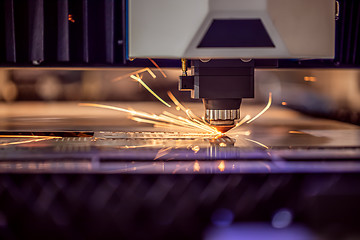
column 70, row 170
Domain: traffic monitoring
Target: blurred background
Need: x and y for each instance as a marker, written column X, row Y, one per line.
column 330, row 93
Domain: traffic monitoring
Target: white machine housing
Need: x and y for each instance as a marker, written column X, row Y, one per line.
column 175, row 28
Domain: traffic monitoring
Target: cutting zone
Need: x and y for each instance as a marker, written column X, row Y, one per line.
column 279, row 141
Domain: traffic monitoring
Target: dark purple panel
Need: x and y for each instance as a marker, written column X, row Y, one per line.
column 229, row 33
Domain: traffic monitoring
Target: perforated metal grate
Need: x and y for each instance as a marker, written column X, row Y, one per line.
column 166, row 206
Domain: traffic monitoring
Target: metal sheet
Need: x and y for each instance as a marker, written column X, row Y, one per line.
column 280, row 141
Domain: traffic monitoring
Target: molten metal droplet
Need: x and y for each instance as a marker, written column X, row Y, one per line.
column 224, row 128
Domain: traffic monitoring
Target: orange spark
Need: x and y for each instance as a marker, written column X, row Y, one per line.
column 148, row 70
column 297, row 132
column 222, row 144
column 258, row 143
column 170, row 120
column 163, row 119
column 191, row 115
column 219, row 136
column 26, row 136
column 22, row 142
column 241, row 122
column 176, row 102
column 309, row 79
column 137, row 78
column 221, row 166
column 70, row 18
column 284, row 103
column 196, row 166
column 157, row 66
column 195, row 149
column 263, row 111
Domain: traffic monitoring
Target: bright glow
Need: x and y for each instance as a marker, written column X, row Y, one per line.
column 149, row 89
column 263, row 111
column 309, row 79
column 196, row 166
column 297, row 132
column 284, row 103
column 195, row 149
column 247, row 133
column 221, row 166
column 243, row 133
column 70, row 18
column 282, row 218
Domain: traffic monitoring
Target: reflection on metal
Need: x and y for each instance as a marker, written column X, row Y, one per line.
column 310, row 79
column 196, row 166
column 179, row 167
column 221, row 166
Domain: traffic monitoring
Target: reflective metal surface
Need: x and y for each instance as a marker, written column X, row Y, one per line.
column 280, row 141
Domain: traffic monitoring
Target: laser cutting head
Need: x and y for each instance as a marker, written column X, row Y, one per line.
column 225, row 32
column 221, row 84
column 222, row 113
column 222, row 124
